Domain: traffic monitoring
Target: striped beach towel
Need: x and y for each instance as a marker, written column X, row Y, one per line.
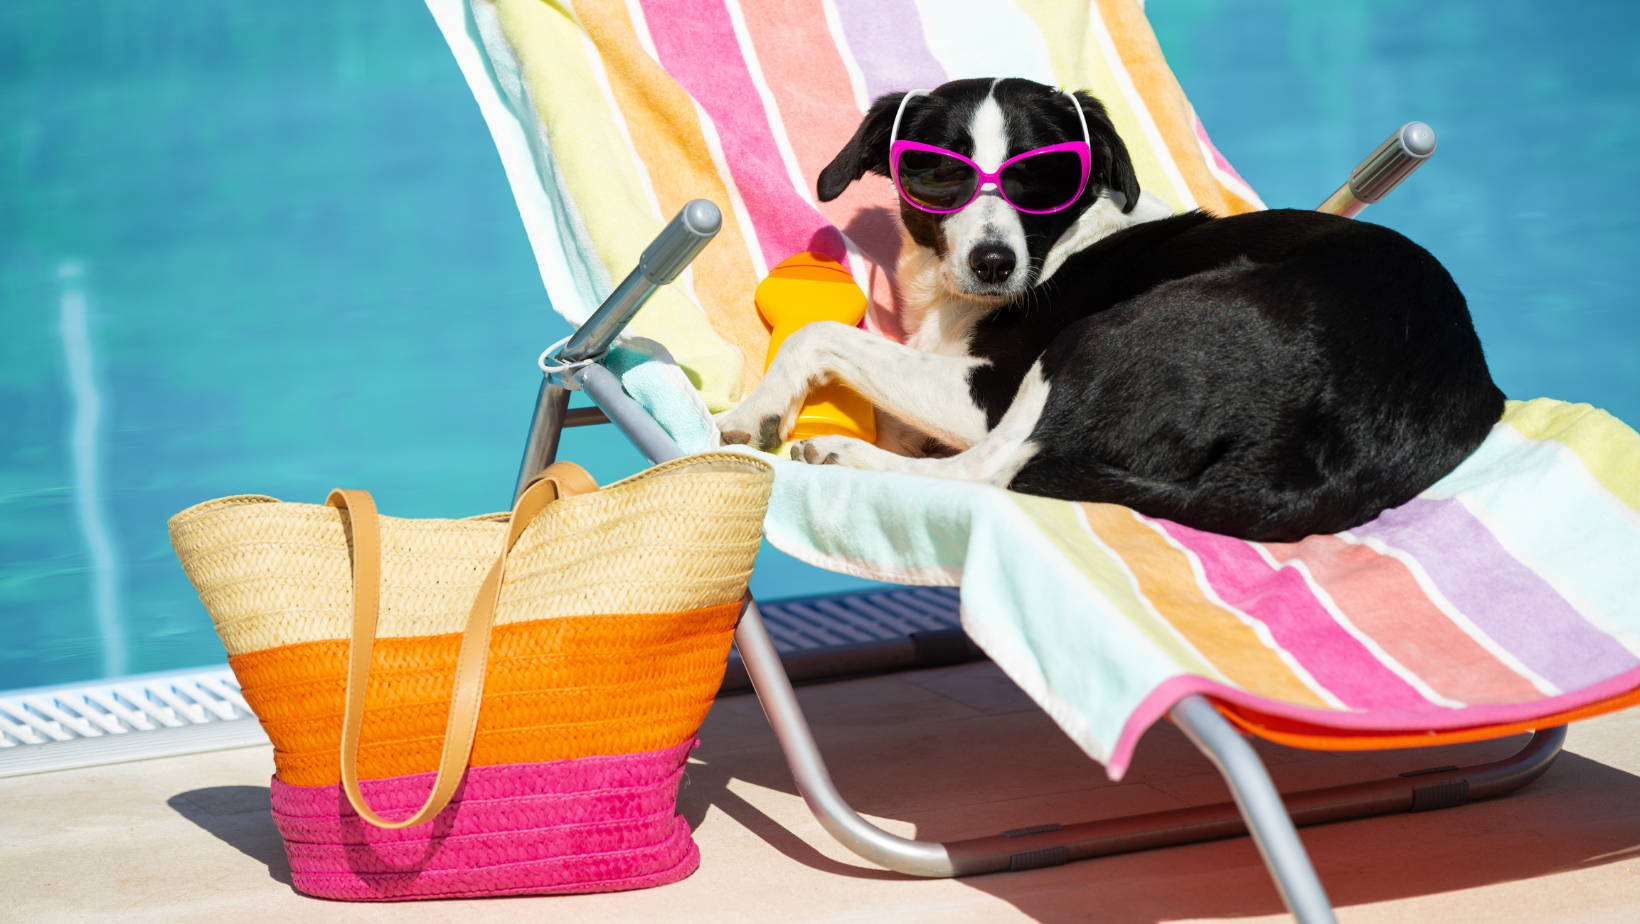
column 1504, row 597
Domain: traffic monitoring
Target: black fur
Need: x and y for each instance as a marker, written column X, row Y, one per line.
column 1267, row 376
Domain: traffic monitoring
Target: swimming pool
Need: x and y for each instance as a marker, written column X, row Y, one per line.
column 269, row 248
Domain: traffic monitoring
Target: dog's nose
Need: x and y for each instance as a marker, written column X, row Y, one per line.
column 991, row 263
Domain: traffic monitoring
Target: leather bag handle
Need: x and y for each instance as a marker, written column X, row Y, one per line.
column 561, row 479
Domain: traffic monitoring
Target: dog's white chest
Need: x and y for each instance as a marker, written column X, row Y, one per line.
column 946, row 328
column 937, row 321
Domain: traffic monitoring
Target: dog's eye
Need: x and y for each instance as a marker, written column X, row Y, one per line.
column 936, row 181
column 1043, row 181
column 929, row 167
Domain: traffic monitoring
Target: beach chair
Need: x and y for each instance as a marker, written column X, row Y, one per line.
column 1500, row 600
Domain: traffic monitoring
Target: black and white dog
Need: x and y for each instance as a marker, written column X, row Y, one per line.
column 1268, row 376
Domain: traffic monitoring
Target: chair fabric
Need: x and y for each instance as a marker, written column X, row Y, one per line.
column 1504, row 597
column 610, row 115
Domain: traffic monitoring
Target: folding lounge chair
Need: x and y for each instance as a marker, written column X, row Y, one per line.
column 1501, row 600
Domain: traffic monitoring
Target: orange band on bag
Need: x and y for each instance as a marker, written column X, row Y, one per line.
column 575, row 686
column 467, row 687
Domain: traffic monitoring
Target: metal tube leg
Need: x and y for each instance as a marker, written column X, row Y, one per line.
column 1260, row 803
column 774, row 692
column 546, row 425
column 627, row 415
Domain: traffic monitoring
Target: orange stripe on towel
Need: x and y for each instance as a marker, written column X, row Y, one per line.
column 571, row 687
column 1142, row 57
column 1166, row 578
column 1300, row 734
column 669, row 141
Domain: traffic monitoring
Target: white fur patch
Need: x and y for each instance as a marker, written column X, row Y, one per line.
column 1005, row 450
column 989, row 219
column 936, row 319
column 996, row 459
column 926, row 391
column 989, row 129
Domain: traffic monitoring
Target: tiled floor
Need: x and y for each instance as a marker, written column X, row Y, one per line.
column 945, row 753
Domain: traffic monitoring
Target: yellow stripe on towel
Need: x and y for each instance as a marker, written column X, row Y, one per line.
column 1062, row 525
column 610, row 184
column 1604, row 445
column 1165, row 577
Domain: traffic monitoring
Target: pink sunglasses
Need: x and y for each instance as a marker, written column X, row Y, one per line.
column 1037, row 182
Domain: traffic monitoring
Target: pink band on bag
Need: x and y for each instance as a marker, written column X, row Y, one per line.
column 591, row 824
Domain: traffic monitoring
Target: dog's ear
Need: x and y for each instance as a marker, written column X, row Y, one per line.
column 1112, row 167
column 867, row 150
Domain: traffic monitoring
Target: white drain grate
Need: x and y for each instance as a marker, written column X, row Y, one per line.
column 160, row 715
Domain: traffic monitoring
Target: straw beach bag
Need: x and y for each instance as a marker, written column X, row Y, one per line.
column 518, row 693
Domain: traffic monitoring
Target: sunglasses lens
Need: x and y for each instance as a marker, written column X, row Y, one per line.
column 935, row 181
column 1043, row 182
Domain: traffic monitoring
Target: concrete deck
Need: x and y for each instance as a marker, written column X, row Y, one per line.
column 944, row 753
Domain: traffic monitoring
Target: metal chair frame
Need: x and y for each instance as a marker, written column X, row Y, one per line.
column 1257, row 807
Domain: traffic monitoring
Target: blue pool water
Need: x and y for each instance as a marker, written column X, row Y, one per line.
column 268, row 247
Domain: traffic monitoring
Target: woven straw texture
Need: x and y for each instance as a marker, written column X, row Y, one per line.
column 611, row 631
column 680, row 536
column 589, row 825
column 557, row 688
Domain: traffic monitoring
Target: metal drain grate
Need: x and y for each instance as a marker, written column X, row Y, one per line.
column 185, row 712
column 845, row 619
column 821, row 638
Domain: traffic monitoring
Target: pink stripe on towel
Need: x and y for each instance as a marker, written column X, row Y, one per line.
column 1385, row 602
column 586, row 825
column 1282, row 600
column 698, row 46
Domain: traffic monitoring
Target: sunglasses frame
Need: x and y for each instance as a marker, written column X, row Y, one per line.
column 992, row 178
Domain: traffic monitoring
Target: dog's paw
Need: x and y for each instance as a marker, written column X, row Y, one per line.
column 741, row 427
column 831, row 450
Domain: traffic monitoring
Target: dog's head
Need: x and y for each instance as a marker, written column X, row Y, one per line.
column 989, row 249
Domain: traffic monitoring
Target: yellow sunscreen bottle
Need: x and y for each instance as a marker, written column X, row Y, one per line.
column 804, row 288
